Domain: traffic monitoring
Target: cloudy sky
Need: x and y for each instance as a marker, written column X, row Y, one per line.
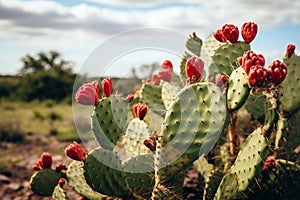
column 95, row 34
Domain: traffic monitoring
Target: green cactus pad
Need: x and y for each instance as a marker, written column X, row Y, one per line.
column 104, row 173
column 194, row 44
column 192, row 124
column 109, row 120
column 208, row 48
column 228, row 188
column 59, row 194
column 290, row 101
column 140, row 175
column 43, row 182
column 168, row 93
column 238, row 89
column 248, row 164
column 225, row 57
column 136, row 133
column 151, row 95
column 77, row 181
column 256, row 106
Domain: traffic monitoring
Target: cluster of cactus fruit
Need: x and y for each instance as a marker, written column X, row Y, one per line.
column 236, row 122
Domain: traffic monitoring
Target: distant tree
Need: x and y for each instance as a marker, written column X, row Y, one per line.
column 144, row 71
column 45, row 76
column 50, row 62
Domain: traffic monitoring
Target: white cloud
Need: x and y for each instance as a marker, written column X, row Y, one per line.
column 42, row 25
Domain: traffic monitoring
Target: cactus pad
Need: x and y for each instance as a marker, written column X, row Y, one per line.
column 193, row 123
column 77, row 181
column 59, row 194
column 43, row 182
column 194, row 44
column 168, row 93
column 225, row 57
column 290, row 101
column 109, row 120
column 238, row 89
column 109, row 180
column 151, row 95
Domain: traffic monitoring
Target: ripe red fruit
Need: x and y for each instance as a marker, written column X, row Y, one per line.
column 249, row 31
column 257, row 75
column 61, row 182
column 230, row 32
column 165, row 74
column 155, row 78
column 270, row 163
column 219, row 36
column 277, row 71
column 46, row 160
column 75, row 152
column 290, row 49
column 194, row 68
column 107, row 87
column 220, row 80
column 167, row 64
column 140, row 110
column 129, row 98
column 60, row 166
column 87, row 94
column 250, row 59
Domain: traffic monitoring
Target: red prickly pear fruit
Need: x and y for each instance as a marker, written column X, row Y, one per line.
column 220, row 80
column 219, row 36
column 60, row 166
column 36, row 167
column 230, row 32
column 155, row 78
column 165, row 75
column 277, row 72
column 75, row 152
column 257, row 75
column 250, row 59
column 194, row 68
column 290, row 49
column 167, row 64
column 46, row 160
column 140, row 110
column 129, row 98
column 87, row 94
column 269, row 164
column 107, row 87
column 249, row 31
column 61, row 182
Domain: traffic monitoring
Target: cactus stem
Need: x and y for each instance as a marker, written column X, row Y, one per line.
column 156, row 168
column 233, row 136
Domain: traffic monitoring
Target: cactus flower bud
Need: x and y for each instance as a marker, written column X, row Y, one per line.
column 269, row 164
column 167, row 64
column 129, row 98
column 87, row 94
column 277, row 71
column 257, row 75
column 165, row 74
column 249, row 31
column 230, row 32
column 107, row 87
column 220, row 80
column 60, row 166
column 219, row 36
column 61, row 182
column 140, row 110
column 155, row 78
column 46, row 160
column 250, row 59
column 75, row 152
column 194, row 68
column 290, row 49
